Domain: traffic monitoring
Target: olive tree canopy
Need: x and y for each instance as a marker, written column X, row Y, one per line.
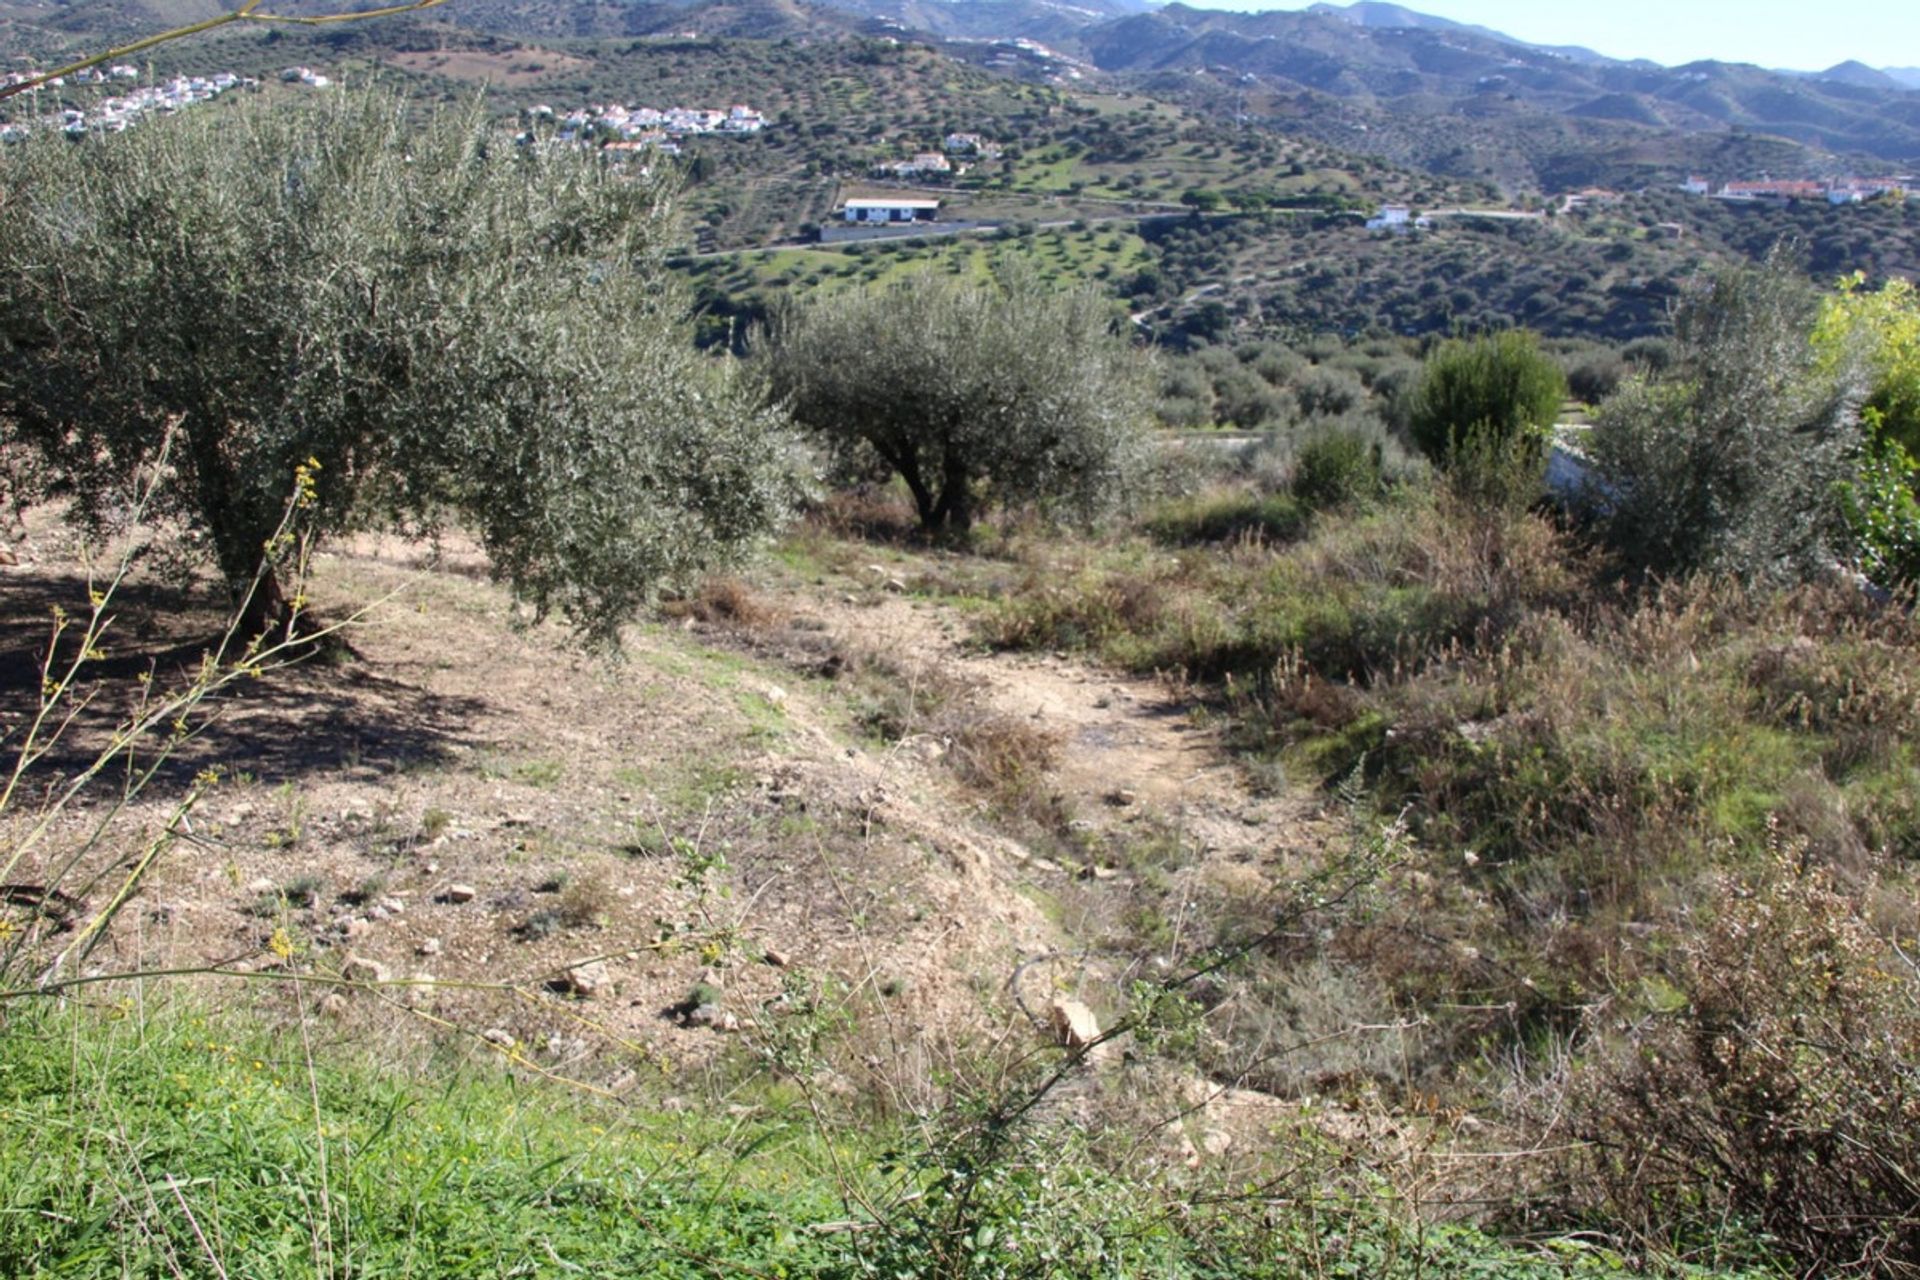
column 450, row 326
column 1014, row 391
column 1734, row 460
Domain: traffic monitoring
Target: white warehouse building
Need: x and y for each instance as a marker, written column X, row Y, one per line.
column 891, row 210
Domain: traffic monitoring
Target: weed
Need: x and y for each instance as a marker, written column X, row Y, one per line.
column 434, row 824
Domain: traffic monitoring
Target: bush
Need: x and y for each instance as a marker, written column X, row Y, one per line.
column 1010, row 392
column 1785, row 1091
column 394, row 301
column 1496, row 395
column 1731, row 464
column 1882, row 504
column 1324, row 391
column 1338, row 466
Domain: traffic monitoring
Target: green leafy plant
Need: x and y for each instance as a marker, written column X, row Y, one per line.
column 1483, row 400
column 1882, row 503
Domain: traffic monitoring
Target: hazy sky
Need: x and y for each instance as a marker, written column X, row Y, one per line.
column 1805, row 35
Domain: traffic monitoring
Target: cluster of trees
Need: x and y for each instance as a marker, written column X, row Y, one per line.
column 1776, row 437
column 429, row 324
column 440, row 326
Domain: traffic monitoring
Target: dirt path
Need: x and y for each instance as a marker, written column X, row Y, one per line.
column 466, row 810
column 1133, row 749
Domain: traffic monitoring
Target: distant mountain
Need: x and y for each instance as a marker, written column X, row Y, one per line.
column 1907, row 76
column 1427, row 69
column 1377, row 64
column 1862, row 76
column 1377, row 14
column 1050, row 22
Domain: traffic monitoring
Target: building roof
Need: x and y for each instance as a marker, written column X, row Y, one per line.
column 893, row 204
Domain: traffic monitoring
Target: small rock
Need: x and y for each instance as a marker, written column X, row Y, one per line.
column 355, row 927
column 377, row 913
column 1189, row 1154
column 430, row 947
column 393, row 906
column 775, row 695
column 361, row 969
column 896, row 586
column 1215, row 1142
column 589, row 980
column 333, row 1004
column 431, row 868
column 262, row 885
column 1073, row 1023
column 1121, row 797
column 517, row 820
column 240, row 812
column 778, row 958
column 707, row 1015
column 461, row 893
column 498, row 1036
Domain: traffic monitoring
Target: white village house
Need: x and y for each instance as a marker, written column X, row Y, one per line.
column 1397, row 218
column 891, row 210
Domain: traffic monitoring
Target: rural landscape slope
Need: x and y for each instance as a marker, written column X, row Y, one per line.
column 1310, row 673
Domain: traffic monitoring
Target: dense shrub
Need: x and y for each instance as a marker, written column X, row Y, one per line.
column 1338, row 466
column 1784, row 1091
column 1485, row 400
column 1883, row 503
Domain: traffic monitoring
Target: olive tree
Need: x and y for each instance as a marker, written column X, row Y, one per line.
column 1732, row 461
column 1012, row 391
column 430, row 322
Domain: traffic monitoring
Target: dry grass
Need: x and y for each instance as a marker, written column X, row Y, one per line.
column 728, row 603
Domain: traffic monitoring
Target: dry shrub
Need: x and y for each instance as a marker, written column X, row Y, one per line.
column 1785, row 1092
column 1010, row 759
column 1089, row 611
column 866, row 514
column 729, row 603
column 895, row 699
column 1850, row 674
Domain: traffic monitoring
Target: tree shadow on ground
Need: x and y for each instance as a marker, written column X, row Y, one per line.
column 325, row 710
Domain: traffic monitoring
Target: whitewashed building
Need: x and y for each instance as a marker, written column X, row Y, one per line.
column 891, row 210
